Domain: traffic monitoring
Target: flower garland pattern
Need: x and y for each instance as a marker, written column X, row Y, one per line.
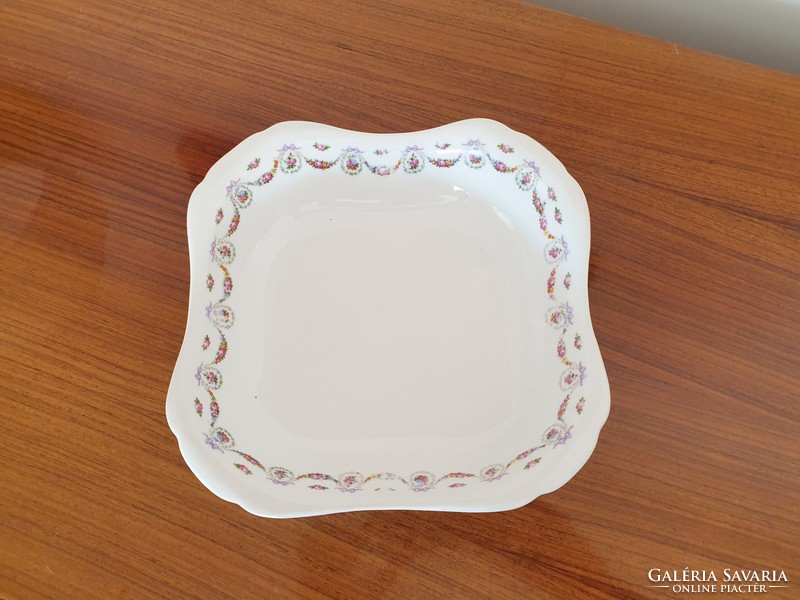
column 354, row 161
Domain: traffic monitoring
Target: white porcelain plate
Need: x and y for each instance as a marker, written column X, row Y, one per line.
column 387, row 322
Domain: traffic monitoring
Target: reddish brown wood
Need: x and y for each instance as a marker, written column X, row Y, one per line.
column 113, row 111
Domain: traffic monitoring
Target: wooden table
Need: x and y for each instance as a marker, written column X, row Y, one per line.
column 113, row 111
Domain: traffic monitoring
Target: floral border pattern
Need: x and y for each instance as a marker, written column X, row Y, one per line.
column 354, row 161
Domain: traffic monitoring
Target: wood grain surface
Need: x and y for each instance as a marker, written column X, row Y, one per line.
column 113, row 111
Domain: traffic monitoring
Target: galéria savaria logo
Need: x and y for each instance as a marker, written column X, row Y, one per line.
column 726, row 581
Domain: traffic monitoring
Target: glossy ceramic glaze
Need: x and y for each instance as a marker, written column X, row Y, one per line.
column 387, row 321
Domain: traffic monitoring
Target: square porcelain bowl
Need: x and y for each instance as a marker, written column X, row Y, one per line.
column 387, row 321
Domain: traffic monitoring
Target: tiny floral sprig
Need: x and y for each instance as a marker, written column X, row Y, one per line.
column 384, row 170
column 253, row 461
column 537, row 203
column 458, row 475
column 198, row 407
column 219, row 216
column 502, row 167
column 316, row 476
column 210, row 282
column 243, row 468
column 269, row 175
column 206, row 342
column 321, row 147
column 254, row 164
column 222, row 350
column 444, row 163
column 234, row 225
column 320, row 164
column 505, row 148
column 563, row 408
column 578, row 343
column 568, row 280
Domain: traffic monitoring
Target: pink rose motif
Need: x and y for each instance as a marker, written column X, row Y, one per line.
column 492, row 473
column 421, row 481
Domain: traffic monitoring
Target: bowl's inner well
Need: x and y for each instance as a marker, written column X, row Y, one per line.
column 397, row 312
